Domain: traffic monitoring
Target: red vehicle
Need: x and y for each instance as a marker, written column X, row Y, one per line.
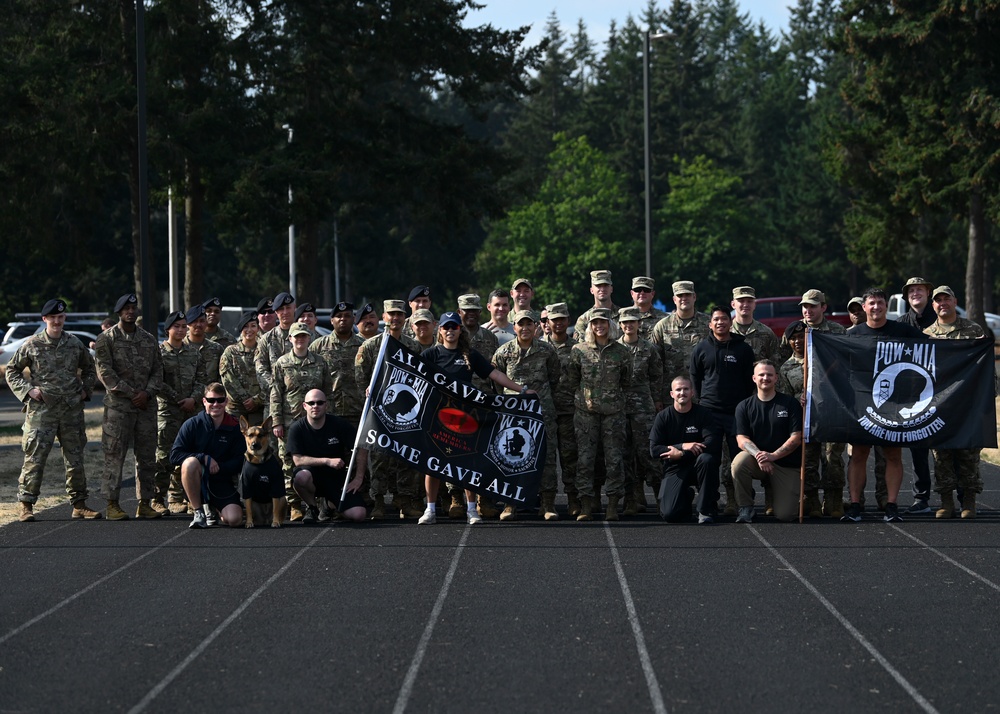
column 779, row 312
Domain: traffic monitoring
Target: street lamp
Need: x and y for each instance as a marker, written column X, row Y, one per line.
column 647, row 37
column 291, row 228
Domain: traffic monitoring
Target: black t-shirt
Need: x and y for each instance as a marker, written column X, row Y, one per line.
column 262, row 482
column 889, row 329
column 333, row 441
column 452, row 363
column 673, row 428
column 769, row 424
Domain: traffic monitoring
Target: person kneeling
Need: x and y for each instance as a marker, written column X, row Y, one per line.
column 209, row 450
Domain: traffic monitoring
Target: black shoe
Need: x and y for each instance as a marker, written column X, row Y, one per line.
column 892, row 514
column 919, row 506
column 853, row 514
column 309, row 513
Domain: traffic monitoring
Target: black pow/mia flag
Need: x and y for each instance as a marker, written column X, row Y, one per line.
column 900, row 392
column 492, row 444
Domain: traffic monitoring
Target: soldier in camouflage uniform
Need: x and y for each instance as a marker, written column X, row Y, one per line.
column 266, row 317
column 209, row 352
column 129, row 365
column 954, row 468
column 340, row 349
column 424, row 327
column 238, row 374
column 534, row 364
column 388, row 474
column 366, row 320
column 53, row 403
column 600, row 373
column 640, row 410
column 419, row 299
column 759, row 336
column 601, row 288
column 498, row 305
column 215, row 332
column 483, row 341
column 678, row 333
column 563, row 398
column 293, row 375
column 183, row 386
column 643, row 295
column 273, row 345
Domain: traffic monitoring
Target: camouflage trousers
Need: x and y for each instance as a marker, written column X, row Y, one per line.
column 124, row 429
column 550, row 478
column 607, row 430
column 957, row 468
column 42, row 424
column 167, row 480
column 639, row 465
column 391, row 475
column 287, row 466
column 566, row 444
column 825, row 467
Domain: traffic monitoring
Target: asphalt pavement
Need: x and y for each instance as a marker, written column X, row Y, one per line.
column 636, row 616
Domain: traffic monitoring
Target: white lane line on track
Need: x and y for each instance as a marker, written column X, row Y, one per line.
column 655, row 695
column 196, row 652
column 79, row 593
column 973, row 573
column 855, row 633
column 40, row 535
column 418, row 657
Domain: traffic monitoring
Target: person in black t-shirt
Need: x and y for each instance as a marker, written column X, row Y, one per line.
column 769, row 434
column 320, row 445
column 683, row 438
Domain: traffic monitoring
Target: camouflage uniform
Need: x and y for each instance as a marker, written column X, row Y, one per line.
column 346, row 395
column 956, row 468
column 238, row 375
column 485, row 343
column 270, row 347
column 600, row 378
column 762, row 340
column 563, row 398
column 53, row 365
column 210, row 354
column 583, row 322
column 221, row 337
column 126, row 365
column 648, row 321
column 640, row 410
column 536, row 368
column 676, row 338
column 183, row 377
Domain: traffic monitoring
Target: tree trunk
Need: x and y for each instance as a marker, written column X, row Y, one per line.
column 974, row 266
column 194, row 251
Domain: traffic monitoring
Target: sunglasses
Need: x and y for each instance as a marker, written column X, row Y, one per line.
column 267, row 312
column 314, row 404
column 215, row 400
column 642, row 290
column 545, row 319
column 451, row 326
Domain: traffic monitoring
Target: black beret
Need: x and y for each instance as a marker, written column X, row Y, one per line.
column 343, row 306
column 797, row 326
column 366, row 309
column 53, row 307
column 246, row 318
column 194, row 312
column 419, row 291
column 265, row 304
column 172, row 318
column 282, row 299
column 304, row 308
column 212, row 302
column 127, row 299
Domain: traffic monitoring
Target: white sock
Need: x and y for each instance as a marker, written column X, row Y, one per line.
column 432, row 507
column 472, row 507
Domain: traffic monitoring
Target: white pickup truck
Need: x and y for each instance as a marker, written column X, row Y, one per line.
column 898, row 308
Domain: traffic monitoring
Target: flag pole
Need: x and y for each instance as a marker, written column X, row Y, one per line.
column 802, row 465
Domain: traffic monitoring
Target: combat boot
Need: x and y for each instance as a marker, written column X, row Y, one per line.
column 611, row 514
column 812, row 507
column 144, row 510
column 378, row 510
column 969, row 505
column 456, row 511
column 947, row 509
column 178, row 508
column 26, row 513
column 487, row 509
column 159, row 506
column 509, row 513
column 833, row 505
column 115, row 512
column 768, row 500
column 586, row 509
column 629, row 507
column 80, row 510
column 409, row 507
column 639, row 494
column 731, row 509
column 573, row 503
column 549, row 507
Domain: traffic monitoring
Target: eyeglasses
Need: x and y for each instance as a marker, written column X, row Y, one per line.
column 314, row 404
column 642, row 290
column 215, row 400
column 451, row 326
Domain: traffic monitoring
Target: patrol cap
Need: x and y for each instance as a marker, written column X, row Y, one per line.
column 365, row 309
column 212, row 302
column 194, row 312
column 343, row 306
column 557, row 309
column 682, row 287
column 126, row 299
column 449, row 318
column 521, row 281
column 813, row 297
column 600, row 277
column 643, row 282
column 942, row 289
column 855, row 301
column 304, row 308
column 394, row 306
column 264, row 305
column 173, row 318
column 298, row 328
column 916, row 281
column 421, row 315
column 628, row 314
column 53, row 307
column 744, row 291
column 519, row 315
column 246, row 317
column 419, row 291
column 469, row 301
column 794, row 328
column 599, row 313
column 282, row 299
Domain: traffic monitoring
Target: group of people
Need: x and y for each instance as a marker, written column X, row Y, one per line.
column 633, row 399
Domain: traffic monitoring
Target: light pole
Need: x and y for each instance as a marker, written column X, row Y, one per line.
column 647, row 37
column 291, row 228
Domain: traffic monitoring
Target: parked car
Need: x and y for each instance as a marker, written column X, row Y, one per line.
column 780, row 312
column 898, row 307
column 7, row 351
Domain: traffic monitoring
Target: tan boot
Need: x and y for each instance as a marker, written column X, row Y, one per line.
column 378, row 510
column 573, row 502
column 80, row 510
column 812, row 507
column 586, row 509
column 297, row 514
column 611, row 514
column 768, row 500
column 641, row 504
column 159, row 506
column 409, row 507
column 177, row 508
column 969, row 505
column 947, row 509
column 145, row 511
column 486, row 508
column 509, row 514
column 456, row 511
column 549, row 507
column 26, row 513
column 115, row 512
column 833, row 505
column 628, row 505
